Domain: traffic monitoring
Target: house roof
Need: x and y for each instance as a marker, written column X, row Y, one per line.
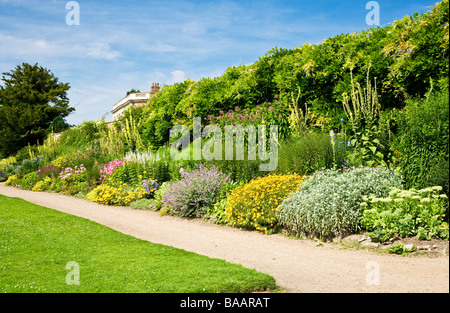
column 131, row 99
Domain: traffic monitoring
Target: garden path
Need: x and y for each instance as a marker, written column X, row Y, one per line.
column 297, row 265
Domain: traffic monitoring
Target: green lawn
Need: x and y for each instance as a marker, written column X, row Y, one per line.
column 36, row 244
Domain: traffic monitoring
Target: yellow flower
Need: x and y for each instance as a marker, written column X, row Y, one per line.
column 253, row 205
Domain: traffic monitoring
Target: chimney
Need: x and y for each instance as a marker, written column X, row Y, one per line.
column 155, row 89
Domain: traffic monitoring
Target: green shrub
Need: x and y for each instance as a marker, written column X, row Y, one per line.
column 27, row 152
column 328, row 204
column 83, row 135
column 407, row 212
column 29, row 180
column 422, row 142
column 379, row 236
column 240, row 170
column 10, row 169
column 3, row 177
column 29, row 165
column 397, row 248
column 43, row 185
column 159, row 195
column 309, row 152
column 5, row 163
column 12, row 180
column 56, row 184
column 143, row 204
column 159, row 171
column 73, row 188
column 75, row 158
column 218, row 212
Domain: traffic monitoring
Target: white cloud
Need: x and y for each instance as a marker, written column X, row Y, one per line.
column 193, row 28
column 177, row 76
column 102, row 50
column 159, row 47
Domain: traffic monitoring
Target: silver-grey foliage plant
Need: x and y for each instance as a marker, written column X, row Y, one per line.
column 328, row 204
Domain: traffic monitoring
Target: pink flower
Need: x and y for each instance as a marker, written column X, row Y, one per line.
column 109, row 168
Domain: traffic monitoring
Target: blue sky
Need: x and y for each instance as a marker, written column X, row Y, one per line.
column 120, row 45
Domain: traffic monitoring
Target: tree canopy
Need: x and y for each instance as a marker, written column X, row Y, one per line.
column 30, row 99
column 402, row 60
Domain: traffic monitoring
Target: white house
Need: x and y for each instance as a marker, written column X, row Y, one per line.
column 133, row 100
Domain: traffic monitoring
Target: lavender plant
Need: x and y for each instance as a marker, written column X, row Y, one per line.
column 150, row 186
column 195, row 192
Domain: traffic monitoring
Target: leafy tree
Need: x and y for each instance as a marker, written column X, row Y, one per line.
column 57, row 125
column 133, row 91
column 30, row 99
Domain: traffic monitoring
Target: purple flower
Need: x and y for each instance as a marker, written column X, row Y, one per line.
column 196, row 191
column 150, row 186
column 50, row 170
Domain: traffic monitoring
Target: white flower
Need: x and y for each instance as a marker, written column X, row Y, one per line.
column 425, row 190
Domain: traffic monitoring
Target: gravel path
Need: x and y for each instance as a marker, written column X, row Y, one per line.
column 297, row 265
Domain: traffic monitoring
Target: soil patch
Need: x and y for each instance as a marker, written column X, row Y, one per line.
column 431, row 248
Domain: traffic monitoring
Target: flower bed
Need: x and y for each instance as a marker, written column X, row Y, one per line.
column 406, row 213
column 253, row 206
